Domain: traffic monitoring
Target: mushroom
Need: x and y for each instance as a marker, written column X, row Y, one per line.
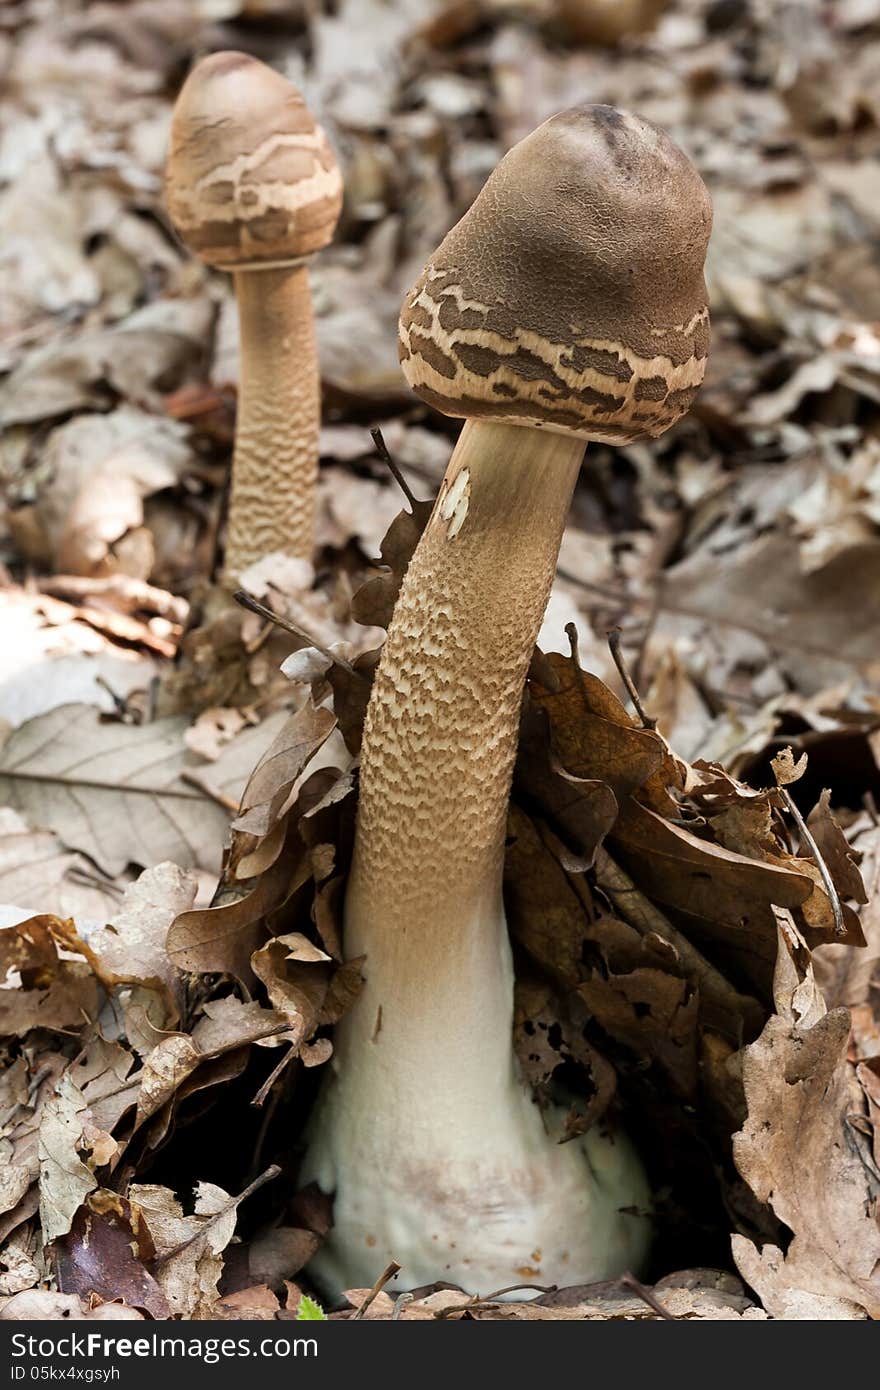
column 568, row 304
column 253, row 187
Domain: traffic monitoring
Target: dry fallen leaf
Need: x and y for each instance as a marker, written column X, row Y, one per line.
column 65, row 1180
column 188, row 1249
column 39, row 985
column 114, row 791
column 799, row 1151
column 107, row 1253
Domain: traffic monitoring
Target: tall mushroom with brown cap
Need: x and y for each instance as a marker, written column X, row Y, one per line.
column 253, row 187
column 568, row 304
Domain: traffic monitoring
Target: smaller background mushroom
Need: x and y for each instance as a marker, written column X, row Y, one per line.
column 253, row 187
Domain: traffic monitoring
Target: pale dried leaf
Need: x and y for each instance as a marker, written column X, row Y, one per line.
column 796, row 1152
column 132, row 946
column 65, row 1181
column 41, row 1305
column 188, row 1248
column 114, row 791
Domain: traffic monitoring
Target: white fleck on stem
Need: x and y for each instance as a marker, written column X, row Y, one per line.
column 453, row 503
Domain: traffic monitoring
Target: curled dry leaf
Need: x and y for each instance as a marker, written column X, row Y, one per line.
column 799, row 1151
column 65, row 1180
column 785, row 769
column 591, row 733
column 97, row 470
column 841, row 860
column 296, row 977
column 131, row 948
column 374, row 604
column 225, row 776
column 40, row 987
column 280, row 767
column 228, row 1026
column 275, row 853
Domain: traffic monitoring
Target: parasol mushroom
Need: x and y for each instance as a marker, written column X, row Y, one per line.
column 253, row 187
column 568, row 304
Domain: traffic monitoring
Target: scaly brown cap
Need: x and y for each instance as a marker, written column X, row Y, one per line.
column 571, row 294
column 251, row 179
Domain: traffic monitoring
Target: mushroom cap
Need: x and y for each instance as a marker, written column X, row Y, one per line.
column 571, row 295
column 250, row 178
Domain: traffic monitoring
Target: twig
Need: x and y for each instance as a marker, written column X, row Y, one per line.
column 484, row 1300
column 618, row 596
column 382, row 450
column 516, row 1288
column 386, row 1275
column 268, row 1115
column 614, row 637
column 267, row 1085
column 629, row 1281
column 574, row 643
column 828, row 881
column 246, row 600
column 272, row 1172
column 118, row 702
column 227, row 802
column 402, row 1301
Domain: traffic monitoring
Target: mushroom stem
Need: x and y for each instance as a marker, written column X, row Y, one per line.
column 427, row 1134
column 441, row 728
column 272, row 499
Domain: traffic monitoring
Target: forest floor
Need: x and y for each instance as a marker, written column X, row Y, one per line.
column 739, row 556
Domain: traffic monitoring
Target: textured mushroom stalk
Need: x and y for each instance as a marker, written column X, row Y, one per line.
column 253, row 187
column 437, row 1154
column 441, row 729
column 275, row 464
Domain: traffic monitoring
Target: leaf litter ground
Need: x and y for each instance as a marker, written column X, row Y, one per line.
column 686, row 950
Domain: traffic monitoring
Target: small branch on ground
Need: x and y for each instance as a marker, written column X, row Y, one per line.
column 246, row 600
column 385, row 1277
column 382, row 450
column 270, row 1173
column 485, row 1300
column 614, row 637
column 629, row 1281
column 816, row 853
